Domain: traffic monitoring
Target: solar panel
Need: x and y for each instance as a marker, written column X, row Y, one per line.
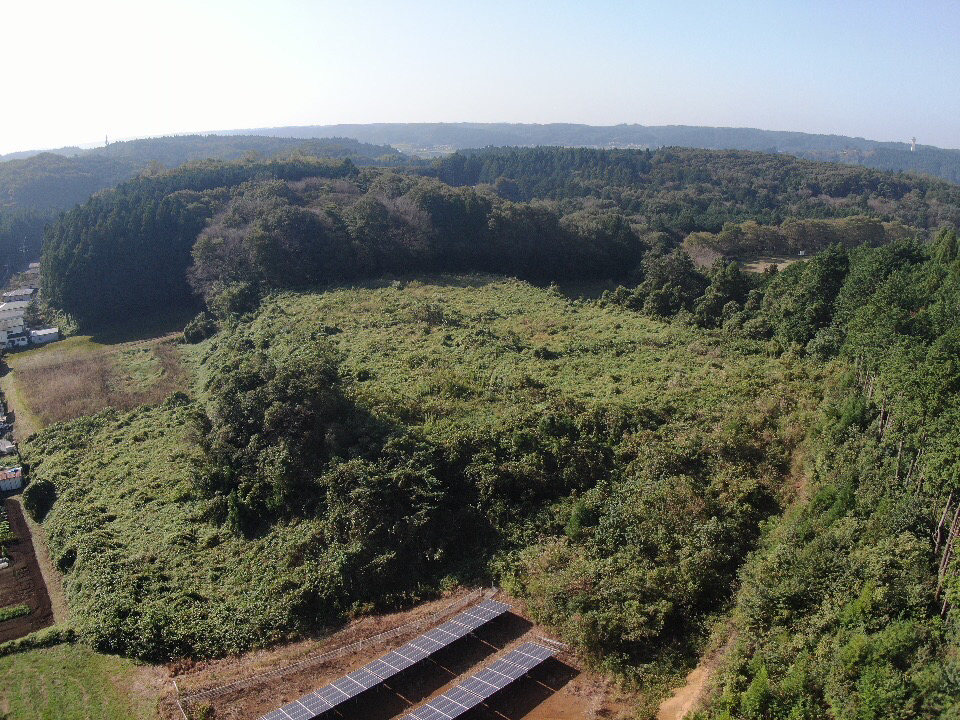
column 464, row 697
column 349, row 687
column 441, row 636
column 455, row 629
column 412, row 653
column 315, row 704
column 365, row 678
column 296, row 711
column 382, row 669
column 427, row 644
column 447, row 706
column 508, row 669
column 534, row 651
column 478, row 686
column 483, row 684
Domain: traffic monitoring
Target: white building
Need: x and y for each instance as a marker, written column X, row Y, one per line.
column 39, row 337
column 19, row 295
column 13, row 309
column 11, row 479
column 15, row 340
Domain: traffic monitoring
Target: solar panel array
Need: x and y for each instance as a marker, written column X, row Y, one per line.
column 484, row 684
column 326, row 698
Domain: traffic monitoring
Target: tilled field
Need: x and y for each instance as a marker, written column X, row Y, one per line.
column 22, row 582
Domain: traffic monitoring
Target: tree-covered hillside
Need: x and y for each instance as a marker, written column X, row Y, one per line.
column 540, row 214
column 34, row 190
column 622, row 464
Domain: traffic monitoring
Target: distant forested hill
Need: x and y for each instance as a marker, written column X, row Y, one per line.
column 57, row 180
column 439, row 137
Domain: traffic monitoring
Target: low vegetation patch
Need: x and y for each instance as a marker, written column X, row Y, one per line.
column 71, row 682
column 79, row 376
column 14, row 611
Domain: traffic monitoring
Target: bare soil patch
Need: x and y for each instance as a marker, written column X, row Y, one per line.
column 22, row 582
column 51, row 576
column 694, row 691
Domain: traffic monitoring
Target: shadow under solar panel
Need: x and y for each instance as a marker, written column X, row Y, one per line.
column 369, row 676
column 483, row 684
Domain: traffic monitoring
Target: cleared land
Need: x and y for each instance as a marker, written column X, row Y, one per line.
column 71, row 682
column 81, row 376
column 22, row 582
column 759, row 264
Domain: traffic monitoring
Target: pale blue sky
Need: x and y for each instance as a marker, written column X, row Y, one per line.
column 73, row 71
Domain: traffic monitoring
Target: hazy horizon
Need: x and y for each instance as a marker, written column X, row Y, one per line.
column 871, row 70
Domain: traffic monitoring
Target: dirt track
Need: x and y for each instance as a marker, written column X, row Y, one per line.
column 23, row 582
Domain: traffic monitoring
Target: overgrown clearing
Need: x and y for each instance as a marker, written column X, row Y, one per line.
column 543, row 414
column 71, row 682
column 82, row 376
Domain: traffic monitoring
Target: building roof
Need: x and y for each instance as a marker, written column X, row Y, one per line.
column 14, row 305
column 20, row 291
column 34, row 265
column 45, row 331
column 10, row 473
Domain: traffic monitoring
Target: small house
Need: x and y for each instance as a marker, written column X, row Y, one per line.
column 40, row 337
column 23, row 294
column 11, row 479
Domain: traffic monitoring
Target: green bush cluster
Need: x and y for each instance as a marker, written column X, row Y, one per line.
column 14, row 611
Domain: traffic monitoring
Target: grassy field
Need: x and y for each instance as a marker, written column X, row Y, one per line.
column 71, row 682
column 454, row 358
column 83, row 375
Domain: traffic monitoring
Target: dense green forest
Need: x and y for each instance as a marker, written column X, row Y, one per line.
column 34, row 190
column 540, row 214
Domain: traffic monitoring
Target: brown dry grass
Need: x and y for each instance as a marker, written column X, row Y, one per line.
column 78, row 377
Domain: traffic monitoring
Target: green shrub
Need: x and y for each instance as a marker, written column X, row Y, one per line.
column 38, row 498
column 14, row 611
column 200, row 328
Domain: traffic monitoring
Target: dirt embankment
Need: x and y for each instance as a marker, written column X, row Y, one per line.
column 23, row 582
